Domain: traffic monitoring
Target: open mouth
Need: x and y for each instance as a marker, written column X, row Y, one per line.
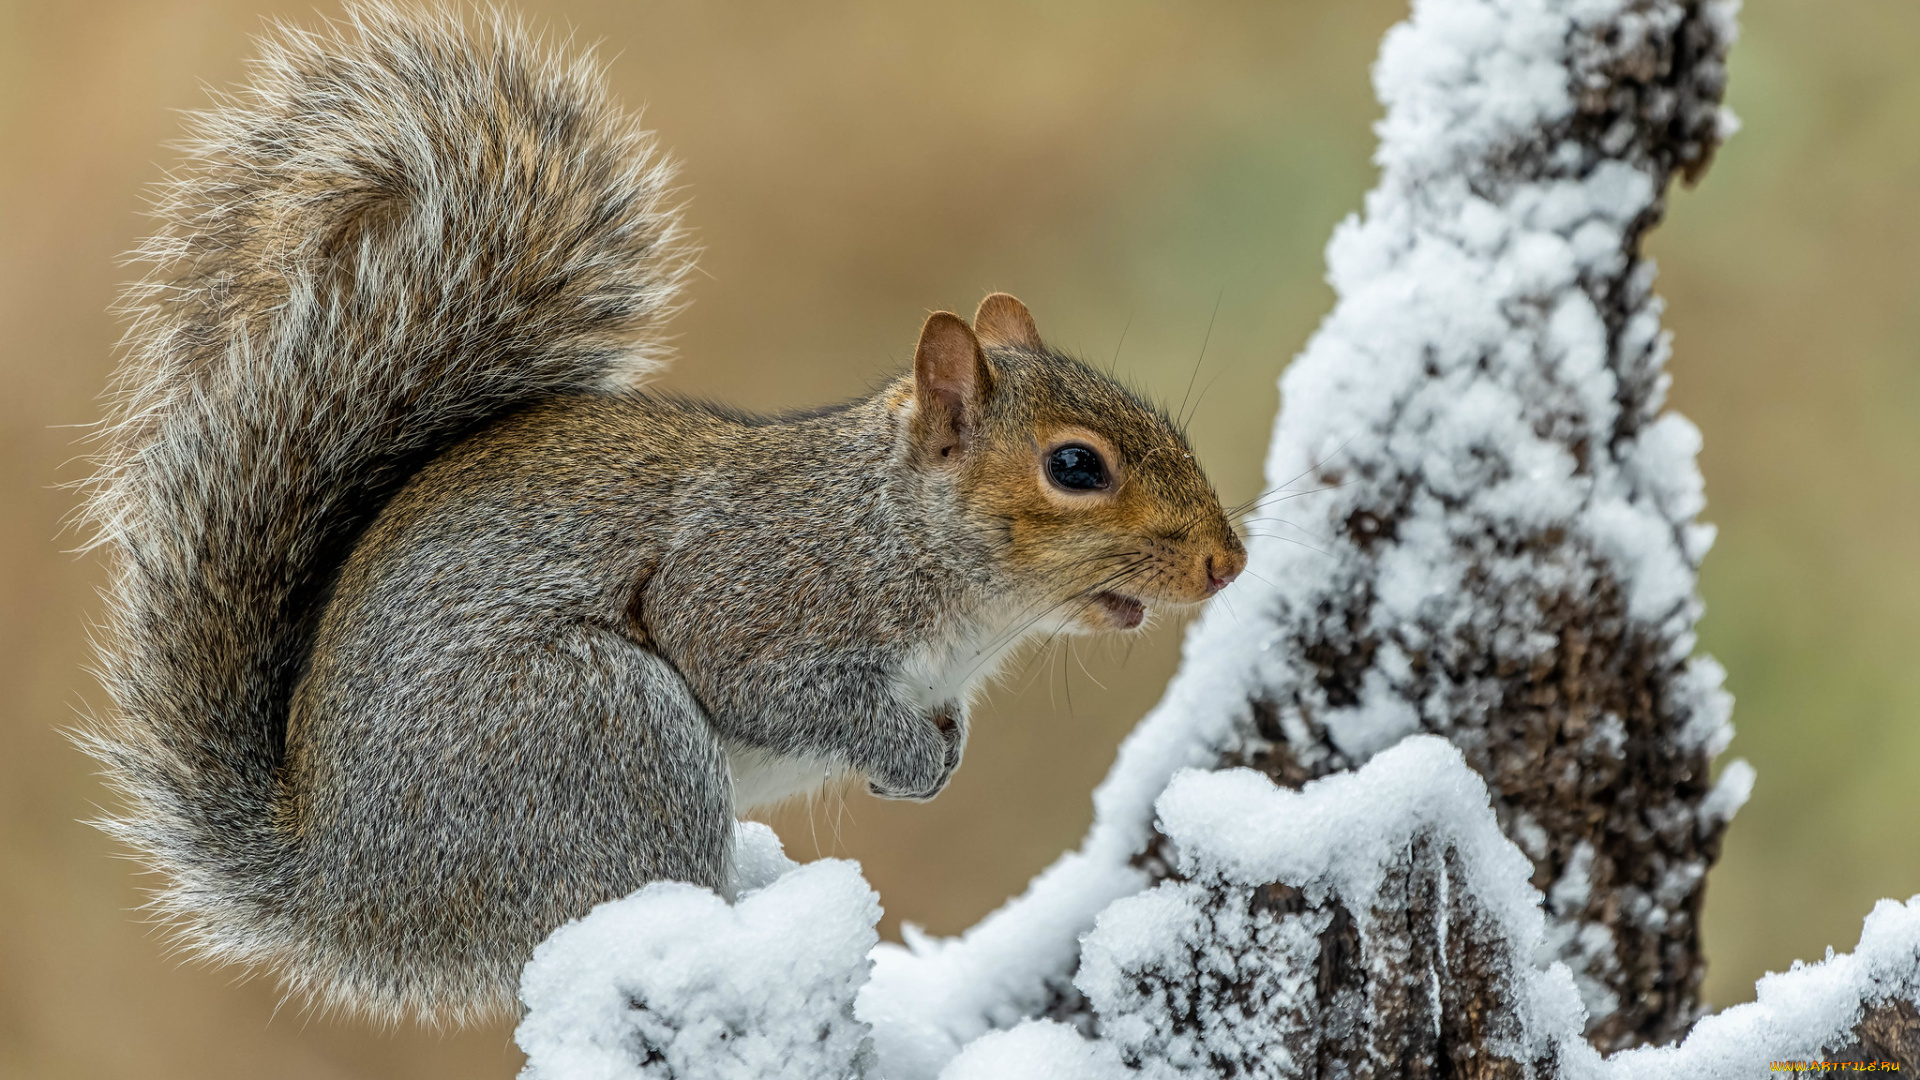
column 1123, row 611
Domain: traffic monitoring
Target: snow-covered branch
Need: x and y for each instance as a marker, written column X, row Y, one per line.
column 1432, row 795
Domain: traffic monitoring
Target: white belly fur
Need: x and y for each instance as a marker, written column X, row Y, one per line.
column 948, row 672
column 763, row 778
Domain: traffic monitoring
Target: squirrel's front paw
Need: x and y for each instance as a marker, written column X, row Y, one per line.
column 922, row 763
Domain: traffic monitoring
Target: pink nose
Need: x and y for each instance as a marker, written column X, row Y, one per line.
column 1221, row 571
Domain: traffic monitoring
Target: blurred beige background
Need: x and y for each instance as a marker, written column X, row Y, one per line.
column 1123, row 166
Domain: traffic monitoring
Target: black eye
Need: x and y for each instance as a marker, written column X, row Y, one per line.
column 1077, row 468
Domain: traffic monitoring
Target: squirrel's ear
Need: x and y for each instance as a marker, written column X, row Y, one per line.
column 950, row 383
column 1002, row 320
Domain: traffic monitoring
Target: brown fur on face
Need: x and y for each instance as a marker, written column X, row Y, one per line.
column 1154, row 536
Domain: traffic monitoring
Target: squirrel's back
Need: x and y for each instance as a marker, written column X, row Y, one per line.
column 401, row 228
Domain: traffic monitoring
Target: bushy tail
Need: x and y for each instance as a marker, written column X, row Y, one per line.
column 401, row 227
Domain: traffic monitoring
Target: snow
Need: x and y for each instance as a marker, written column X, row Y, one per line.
column 1340, row 833
column 1365, row 730
column 930, row 998
column 1729, row 793
column 673, row 981
column 1036, row 1050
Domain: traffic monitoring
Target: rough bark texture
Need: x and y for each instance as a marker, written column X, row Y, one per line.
column 1433, row 1027
column 1887, row 1031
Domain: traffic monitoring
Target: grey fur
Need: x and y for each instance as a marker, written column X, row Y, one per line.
column 429, row 632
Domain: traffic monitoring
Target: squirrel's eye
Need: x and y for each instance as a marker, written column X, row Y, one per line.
column 1077, row 468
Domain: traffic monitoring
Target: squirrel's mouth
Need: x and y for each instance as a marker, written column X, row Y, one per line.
column 1124, row 612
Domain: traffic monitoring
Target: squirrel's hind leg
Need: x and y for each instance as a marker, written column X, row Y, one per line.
column 540, row 779
column 645, row 794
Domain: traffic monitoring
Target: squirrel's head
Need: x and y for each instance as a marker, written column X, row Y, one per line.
column 1092, row 496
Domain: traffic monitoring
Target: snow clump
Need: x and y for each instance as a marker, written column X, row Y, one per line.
column 673, row 981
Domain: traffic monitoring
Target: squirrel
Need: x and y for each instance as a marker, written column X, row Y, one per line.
column 430, row 627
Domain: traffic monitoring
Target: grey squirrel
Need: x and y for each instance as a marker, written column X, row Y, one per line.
column 430, row 629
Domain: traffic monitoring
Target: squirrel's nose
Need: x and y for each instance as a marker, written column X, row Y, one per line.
column 1223, row 568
